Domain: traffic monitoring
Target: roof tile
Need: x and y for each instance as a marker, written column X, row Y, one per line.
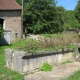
column 9, row 5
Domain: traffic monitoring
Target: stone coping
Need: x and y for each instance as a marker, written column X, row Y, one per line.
column 43, row 52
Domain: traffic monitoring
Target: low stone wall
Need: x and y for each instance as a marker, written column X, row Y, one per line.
column 23, row 62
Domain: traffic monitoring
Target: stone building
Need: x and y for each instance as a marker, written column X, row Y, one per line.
column 10, row 18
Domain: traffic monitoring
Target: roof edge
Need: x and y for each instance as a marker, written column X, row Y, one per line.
column 10, row 9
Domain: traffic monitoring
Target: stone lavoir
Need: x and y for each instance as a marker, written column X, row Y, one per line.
column 24, row 62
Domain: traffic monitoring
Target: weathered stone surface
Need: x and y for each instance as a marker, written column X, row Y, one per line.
column 12, row 22
column 8, row 56
column 78, row 45
column 78, row 58
column 23, row 63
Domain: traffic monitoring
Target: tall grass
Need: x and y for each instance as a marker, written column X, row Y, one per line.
column 58, row 42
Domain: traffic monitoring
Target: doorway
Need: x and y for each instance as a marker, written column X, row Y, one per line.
column 6, row 34
column 1, row 21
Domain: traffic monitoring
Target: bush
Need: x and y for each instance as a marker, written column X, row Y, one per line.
column 46, row 67
column 1, row 31
column 53, row 42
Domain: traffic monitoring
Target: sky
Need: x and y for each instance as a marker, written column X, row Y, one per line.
column 67, row 4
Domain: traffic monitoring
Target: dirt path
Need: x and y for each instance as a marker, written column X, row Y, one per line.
column 36, row 37
column 61, row 71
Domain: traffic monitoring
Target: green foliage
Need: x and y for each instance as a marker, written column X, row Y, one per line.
column 28, row 45
column 46, row 67
column 19, row 2
column 77, row 11
column 1, row 31
column 70, row 21
column 72, row 46
column 40, row 16
column 43, row 16
column 60, row 18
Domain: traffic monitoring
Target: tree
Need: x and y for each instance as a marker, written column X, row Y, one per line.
column 43, row 16
column 77, row 11
column 60, row 18
column 70, row 20
column 19, row 2
column 40, row 16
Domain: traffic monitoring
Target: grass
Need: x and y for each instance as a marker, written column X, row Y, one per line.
column 5, row 73
column 68, row 61
column 46, row 67
column 49, row 35
column 57, row 35
column 75, row 76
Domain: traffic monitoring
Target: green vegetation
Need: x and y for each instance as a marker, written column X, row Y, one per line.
column 75, row 76
column 1, row 31
column 62, row 63
column 44, row 16
column 54, row 42
column 46, row 67
column 59, row 34
column 5, row 73
column 77, row 11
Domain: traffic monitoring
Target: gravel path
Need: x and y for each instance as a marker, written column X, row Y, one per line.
column 61, row 71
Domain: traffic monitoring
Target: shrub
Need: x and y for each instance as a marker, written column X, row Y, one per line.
column 1, row 31
column 54, row 42
column 28, row 45
column 46, row 67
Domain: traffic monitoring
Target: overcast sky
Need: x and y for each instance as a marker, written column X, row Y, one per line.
column 67, row 4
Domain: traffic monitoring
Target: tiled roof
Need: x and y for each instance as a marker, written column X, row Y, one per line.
column 9, row 5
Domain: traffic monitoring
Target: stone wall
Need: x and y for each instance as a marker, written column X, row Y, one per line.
column 23, row 62
column 12, row 22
